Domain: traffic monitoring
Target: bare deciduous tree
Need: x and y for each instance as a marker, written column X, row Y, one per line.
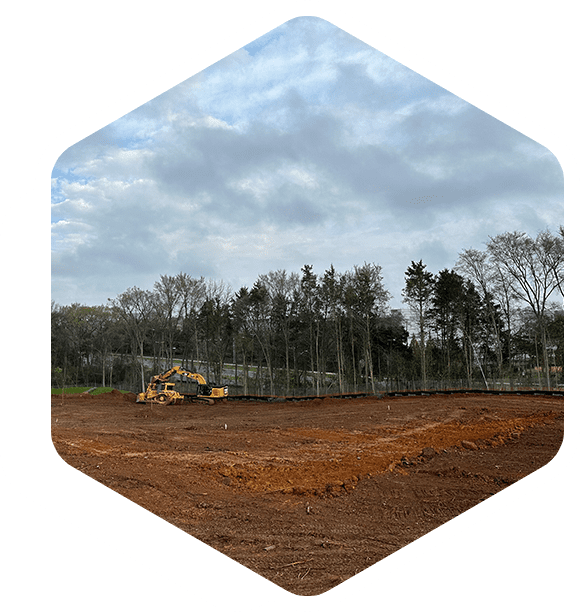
column 475, row 265
column 134, row 308
column 534, row 270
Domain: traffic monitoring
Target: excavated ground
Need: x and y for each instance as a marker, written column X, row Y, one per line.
column 307, row 494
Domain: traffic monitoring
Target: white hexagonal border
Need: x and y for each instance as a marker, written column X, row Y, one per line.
column 42, row 477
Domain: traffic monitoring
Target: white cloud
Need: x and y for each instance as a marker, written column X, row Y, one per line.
column 306, row 147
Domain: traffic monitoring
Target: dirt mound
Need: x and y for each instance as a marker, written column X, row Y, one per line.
column 116, row 394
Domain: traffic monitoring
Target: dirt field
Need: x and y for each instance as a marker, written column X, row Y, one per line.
column 308, row 494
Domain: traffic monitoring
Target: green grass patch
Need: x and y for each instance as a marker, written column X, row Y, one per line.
column 104, row 390
column 69, row 390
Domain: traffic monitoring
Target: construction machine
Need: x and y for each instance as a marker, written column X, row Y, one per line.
column 161, row 391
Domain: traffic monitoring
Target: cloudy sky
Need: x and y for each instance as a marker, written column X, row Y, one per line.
column 306, row 146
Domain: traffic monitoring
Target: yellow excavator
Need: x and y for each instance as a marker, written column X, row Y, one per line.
column 160, row 391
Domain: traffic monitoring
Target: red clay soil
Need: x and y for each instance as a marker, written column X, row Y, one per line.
column 307, row 494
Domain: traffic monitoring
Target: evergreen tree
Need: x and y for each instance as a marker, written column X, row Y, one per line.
column 418, row 292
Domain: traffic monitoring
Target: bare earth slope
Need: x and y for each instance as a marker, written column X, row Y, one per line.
column 309, row 493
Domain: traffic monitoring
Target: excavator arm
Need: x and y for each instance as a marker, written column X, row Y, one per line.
column 178, row 370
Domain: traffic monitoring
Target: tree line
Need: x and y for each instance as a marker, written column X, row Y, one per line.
column 488, row 321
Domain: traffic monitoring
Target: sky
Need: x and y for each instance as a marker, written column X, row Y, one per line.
column 306, row 146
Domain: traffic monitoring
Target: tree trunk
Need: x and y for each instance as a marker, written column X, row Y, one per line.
column 338, row 355
column 142, row 368
column 545, row 354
